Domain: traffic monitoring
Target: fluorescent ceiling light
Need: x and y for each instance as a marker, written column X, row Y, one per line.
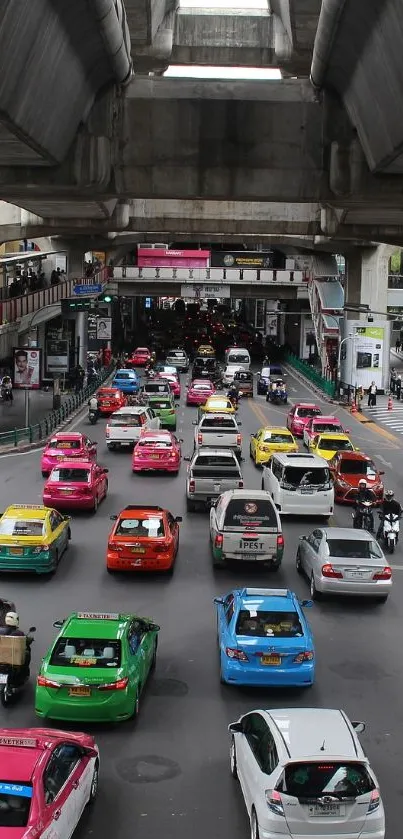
column 224, row 4
column 196, row 71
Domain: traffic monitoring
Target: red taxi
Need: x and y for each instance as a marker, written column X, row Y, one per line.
column 299, row 416
column 110, row 399
column 199, row 391
column 321, row 425
column 173, row 381
column 65, row 444
column 347, row 469
column 157, row 451
column 48, row 778
column 139, row 357
column 76, row 485
column 143, row 539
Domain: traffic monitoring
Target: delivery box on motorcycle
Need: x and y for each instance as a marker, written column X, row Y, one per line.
column 13, row 649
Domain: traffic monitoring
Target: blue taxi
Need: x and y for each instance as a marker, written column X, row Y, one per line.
column 126, row 380
column 265, row 638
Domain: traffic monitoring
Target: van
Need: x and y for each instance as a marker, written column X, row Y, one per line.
column 245, row 526
column 299, row 484
column 238, row 356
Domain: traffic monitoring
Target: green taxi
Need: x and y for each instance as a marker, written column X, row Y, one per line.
column 164, row 408
column 32, row 538
column 96, row 668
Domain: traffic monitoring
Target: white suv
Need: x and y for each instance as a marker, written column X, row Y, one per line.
column 304, row 773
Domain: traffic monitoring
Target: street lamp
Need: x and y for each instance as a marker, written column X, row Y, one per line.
column 343, row 341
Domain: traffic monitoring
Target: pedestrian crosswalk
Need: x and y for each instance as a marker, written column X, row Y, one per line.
column 391, row 419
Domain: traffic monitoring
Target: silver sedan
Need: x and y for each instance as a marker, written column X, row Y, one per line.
column 341, row 560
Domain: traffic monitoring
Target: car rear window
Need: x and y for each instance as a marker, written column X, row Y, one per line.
column 335, row 778
column 176, row 354
column 321, row 427
column 220, row 404
column 161, row 387
column 125, row 376
column 357, row 467
column 152, row 526
column 204, row 387
column 126, row 421
column 21, row 527
column 352, row 548
column 218, row 422
column 155, row 443
column 307, row 412
column 257, row 512
column 273, row 371
column 239, row 358
column 243, row 376
column 295, row 476
column 15, row 803
column 86, row 652
column 268, row 624
column 277, row 437
column 78, row 476
column 337, row 444
column 65, row 444
column 161, row 404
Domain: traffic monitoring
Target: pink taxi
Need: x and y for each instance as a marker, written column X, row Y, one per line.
column 320, row 425
column 48, row 778
column 76, row 485
column 64, row 445
column 157, row 451
column 199, row 391
column 173, row 381
column 299, row 416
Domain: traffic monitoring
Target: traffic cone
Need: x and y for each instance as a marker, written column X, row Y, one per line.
column 353, row 409
column 390, row 404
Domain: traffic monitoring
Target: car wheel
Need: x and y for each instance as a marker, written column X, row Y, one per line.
column 6, row 696
column 382, row 599
column 69, row 534
column 136, row 709
column 232, row 759
column 106, row 488
column 94, row 784
column 298, row 563
column 154, row 658
column 254, row 827
column 190, row 506
column 315, row 594
column 110, row 570
column 174, row 427
column 262, row 487
column 95, row 507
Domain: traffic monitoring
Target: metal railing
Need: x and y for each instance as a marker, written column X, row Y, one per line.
column 312, row 375
column 42, row 429
column 14, row 308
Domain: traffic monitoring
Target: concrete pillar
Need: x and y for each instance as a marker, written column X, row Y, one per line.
column 75, row 263
column 367, row 278
column 82, row 338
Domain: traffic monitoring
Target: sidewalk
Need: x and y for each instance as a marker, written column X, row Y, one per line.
column 12, row 415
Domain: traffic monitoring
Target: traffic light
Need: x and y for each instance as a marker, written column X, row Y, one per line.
column 72, row 305
column 107, row 298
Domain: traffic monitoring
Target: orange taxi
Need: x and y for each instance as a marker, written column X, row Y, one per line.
column 143, row 539
column 110, row 399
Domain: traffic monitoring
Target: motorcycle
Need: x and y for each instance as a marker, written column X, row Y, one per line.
column 6, row 393
column 363, row 518
column 277, row 397
column 234, row 399
column 390, row 530
column 93, row 415
column 149, row 372
column 13, row 679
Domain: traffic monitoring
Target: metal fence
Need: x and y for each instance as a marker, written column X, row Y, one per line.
column 316, row 378
column 13, row 309
column 42, row 429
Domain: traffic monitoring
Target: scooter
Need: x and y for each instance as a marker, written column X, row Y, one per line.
column 14, row 679
column 363, row 518
column 6, row 393
column 390, row 530
column 93, row 415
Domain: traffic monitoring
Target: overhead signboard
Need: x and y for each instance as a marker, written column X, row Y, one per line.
column 90, row 288
column 204, row 291
column 242, row 259
column 57, row 355
column 164, row 258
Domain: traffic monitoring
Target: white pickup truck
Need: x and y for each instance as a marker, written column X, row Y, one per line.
column 125, row 425
column 218, row 431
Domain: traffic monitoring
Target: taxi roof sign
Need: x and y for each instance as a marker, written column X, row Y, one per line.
column 100, row 616
column 27, row 742
column 27, row 506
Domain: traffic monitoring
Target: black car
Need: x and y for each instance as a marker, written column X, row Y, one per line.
column 267, row 375
column 206, row 368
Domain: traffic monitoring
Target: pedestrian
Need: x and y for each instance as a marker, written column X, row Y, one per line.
column 398, row 345
column 398, row 386
column 372, row 392
column 393, row 377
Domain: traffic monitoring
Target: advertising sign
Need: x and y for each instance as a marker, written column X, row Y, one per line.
column 104, row 329
column 242, row 259
column 90, row 288
column 26, row 368
column 57, row 355
column 163, row 258
column 203, row 292
column 365, row 354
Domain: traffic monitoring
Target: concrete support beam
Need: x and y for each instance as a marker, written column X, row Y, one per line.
column 227, row 38
column 367, row 278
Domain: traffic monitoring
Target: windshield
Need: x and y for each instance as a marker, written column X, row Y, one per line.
column 307, row 412
column 277, row 437
column 265, row 374
column 354, row 548
column 312, row 780
column 148, row 527
column 65, row 444
column 268, row 624
column 239, row 358
column 252, row 512
column 299, row 477
column 77, row 476
column 86, row 652
column 218, row 422
column 19, row 527
column 335, row 445
column 128, row 420
column 357, row 467
column 15, row 803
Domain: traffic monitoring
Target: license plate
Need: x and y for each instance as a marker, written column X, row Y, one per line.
column 326, row 809
column 60, row 457
column 80, row 691
column 16, row 551
column 217, row 487
column 154, row 457
column 249, row 557
column 3, row 678
column 138, row 550
column 273, row 660
column 306, row 491
column 356, row 575
column 67, row 490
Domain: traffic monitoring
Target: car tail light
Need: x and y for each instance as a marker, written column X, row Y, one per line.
column 218, row 541
column 200, row 438
column 43, row 682
column 240, row 484
column 121, row 684
column 280, row 541
column 163, row 548
column 191, row 486
column 40, row 549
column 112, row 546
column 329, row 571
column 107, row 431
column 239, row 655
column 273, row 799
column 374, row 801
column 383, row 575
column 308, row 655
column 239, row 439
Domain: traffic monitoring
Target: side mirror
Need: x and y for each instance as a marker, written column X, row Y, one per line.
column 91, row 752
column 187, row 457
column 113, row 518
column 381, row 473
column 178, row 518
column 32, row 629
column 303, row 538
column 359, row 727
column 218, row 600
column 105, row 471
column 153, row 627
column 239, row 423
column 347, row 430
column 356, row 449
column 235, row 728
column 194, row 422
column 58, row 624
column 67, row 518
column 307, row 604
column 180, row 440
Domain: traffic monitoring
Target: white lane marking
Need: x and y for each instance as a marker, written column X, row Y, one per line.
column 294, row 389
column 385, row 462
column 20, row 454
column 396, row 567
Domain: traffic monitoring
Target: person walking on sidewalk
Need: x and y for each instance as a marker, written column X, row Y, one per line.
column 398, row 386
column 398, row 345
column 393, row 377
column 372, row 392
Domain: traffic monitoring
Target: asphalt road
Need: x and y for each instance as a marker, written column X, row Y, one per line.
column 167, row 774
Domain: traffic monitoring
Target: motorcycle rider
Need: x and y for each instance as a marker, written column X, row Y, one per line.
column 364, row 494
column 7, row 388
column 389, row 507
column 93, row 405
column 11, row 627
column 233, row 393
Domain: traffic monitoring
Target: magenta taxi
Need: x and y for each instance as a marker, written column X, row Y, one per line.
column 157, row 450
column 64, row 445
column 48, row 778
column 173, row 381
column 76, row 485
column 199, row 391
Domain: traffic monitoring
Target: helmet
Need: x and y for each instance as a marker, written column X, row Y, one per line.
column 11, row 619
column 389, row 494
column 362, row 484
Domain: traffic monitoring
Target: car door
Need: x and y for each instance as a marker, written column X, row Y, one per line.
column 307, row 432
column 65, row 791
column 174, row 531
column 152, row 420
column 250, row 756
column 310, row 551
column 139, row 655
column 290, row 418
column 59, row 531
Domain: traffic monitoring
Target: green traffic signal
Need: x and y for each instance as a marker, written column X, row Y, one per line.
column 107, row 298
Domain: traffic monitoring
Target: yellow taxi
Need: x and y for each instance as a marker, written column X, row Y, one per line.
column 32, row 538
column 206, row 351
column 217, row 404
column 328, row 444
column 268, row 440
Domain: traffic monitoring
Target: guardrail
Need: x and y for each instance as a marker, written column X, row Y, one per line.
column 316, row 378
column 42, row 429
column 210, row 275
column 14, row 308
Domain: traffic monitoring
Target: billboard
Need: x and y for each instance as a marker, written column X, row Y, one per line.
column 164, row 258
column 242, row 259
column 57, row 355
column 365, row 353
column 26, row 368
column 204, row 291
column 104, row 329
